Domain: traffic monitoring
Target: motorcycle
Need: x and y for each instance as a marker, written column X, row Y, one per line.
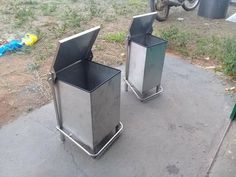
column 162, row 7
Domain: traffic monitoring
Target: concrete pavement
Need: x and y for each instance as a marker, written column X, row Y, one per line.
column 175, row 134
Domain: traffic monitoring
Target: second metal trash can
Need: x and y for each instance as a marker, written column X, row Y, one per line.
column 214, row 9
column 145, row 58
column 86, row 94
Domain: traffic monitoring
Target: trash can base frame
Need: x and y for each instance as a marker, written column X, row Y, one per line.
column 140, row 96
column 101, row 150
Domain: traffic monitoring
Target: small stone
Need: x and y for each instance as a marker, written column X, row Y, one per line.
column 210, row 67
column 230, row 89
column 122, row 54
column 180, row 19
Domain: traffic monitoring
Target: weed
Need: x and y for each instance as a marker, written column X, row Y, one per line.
column 120, row 8
column 137, row 6
column 99, row 47
column 228, row 56
column 40, row 34
column 26, row 50
column 109, row 18
column 177, row 40
column 199, row 47
column 48, row 9
column 22, row 15
column 33, row 67
column 59, row 30
column 95, row 9
column 29, row 109
column 72, row 18
column 129, row 7
column 118, row 37
column 30, row 2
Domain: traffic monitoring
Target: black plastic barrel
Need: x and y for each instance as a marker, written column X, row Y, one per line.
column 214, row 9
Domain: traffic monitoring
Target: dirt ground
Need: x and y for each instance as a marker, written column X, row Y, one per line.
column 23, row 76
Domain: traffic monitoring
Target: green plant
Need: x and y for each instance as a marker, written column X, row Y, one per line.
column 26, row 50
column 48, row 9
column 72, row 18
column 33, row 67
column 40, row 34
column 118, row 37
column 120, row 8
column 59, row 30
column 95, row 9
column 22, row 15
column 177, row 40
column 137, row 6
column 228, row 56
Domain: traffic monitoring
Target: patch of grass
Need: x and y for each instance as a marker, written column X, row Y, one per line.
column 129, row 7
column 137, row 5
column 33, row 67
column 120, row 8
column 177, row 40
column 118, row 37
column 109, row 18
column 26, row 50
column 72, row 18
column 99, row 47
column 228, row 56
column 95, row 9
column 29, row 2
column 58, row 30
column 22, row 15
column 40, row 34
column 195, row 46
column 48, row 9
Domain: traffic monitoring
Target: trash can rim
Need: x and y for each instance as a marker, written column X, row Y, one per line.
column 162, row 41
column 99, row 85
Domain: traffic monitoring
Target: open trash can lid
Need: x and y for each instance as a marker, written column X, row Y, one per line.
column 75, row 48
column 142, row 24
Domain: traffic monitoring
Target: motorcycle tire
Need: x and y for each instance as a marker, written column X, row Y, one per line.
column 162, row 11
column 189, row 5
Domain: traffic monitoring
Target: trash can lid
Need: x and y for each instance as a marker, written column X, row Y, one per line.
column 75, row 48
column 142, row 24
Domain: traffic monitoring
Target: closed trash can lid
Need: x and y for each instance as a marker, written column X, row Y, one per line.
column 74, row 48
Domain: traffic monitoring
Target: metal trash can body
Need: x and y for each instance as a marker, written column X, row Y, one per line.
column 214, row 9
column 87, row 94
column 145, row 57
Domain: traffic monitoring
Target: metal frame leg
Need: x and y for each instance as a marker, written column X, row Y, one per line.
column 81, row 146
column 141, row 97
column 59, row 120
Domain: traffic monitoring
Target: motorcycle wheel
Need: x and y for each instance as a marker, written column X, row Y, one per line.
column 161, row 7
column 190, row 4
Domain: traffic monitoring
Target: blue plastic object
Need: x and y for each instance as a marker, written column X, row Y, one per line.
column 10, row 47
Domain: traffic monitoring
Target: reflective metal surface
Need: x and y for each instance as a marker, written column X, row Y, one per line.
column 86, row 95
column 142, row 24
column 89, row 100
column 145, row 58
column 74, row 48
column 101, row 150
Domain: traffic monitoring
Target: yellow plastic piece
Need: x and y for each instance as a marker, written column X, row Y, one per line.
column 30, row 39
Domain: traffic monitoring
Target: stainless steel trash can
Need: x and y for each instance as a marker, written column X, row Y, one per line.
column 214, row 9
column 145, row 58
column 86, row 94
